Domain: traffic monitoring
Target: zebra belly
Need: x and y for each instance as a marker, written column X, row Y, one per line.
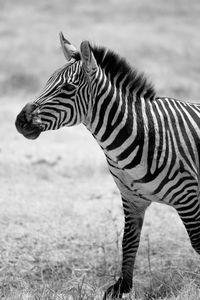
column 131, row 188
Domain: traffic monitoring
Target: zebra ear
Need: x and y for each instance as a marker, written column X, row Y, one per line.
column 68, row 49
column 88, row 59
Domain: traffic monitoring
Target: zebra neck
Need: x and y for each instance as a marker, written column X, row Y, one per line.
column 114, row 121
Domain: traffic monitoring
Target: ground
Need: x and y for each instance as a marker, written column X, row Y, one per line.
column 61, row 218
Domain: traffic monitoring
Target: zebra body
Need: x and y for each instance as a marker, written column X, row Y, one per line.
column 152, row 145
column 153, row 174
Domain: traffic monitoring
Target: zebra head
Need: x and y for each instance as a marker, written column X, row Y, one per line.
column 66, row 96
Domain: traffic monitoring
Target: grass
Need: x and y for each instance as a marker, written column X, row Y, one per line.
column 61, row 219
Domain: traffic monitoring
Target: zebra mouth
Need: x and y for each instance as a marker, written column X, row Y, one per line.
column 33, row 134
column 30, row 131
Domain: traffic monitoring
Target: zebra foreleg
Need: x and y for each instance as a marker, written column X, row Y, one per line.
column 133, row 215
column 191, row 220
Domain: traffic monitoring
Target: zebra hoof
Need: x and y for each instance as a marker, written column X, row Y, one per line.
column 116, row 290
column 112, row 292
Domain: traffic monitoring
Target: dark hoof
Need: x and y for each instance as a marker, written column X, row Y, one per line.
column 112, row 293
column 116, row 291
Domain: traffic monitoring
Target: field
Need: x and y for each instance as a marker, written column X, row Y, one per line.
column 61, row 219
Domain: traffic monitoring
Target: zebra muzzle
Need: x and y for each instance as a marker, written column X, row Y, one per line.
column 28, row 121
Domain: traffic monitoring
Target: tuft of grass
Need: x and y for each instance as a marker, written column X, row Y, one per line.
column 170, row 284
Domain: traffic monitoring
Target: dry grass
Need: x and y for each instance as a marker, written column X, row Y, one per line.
column 61, row 218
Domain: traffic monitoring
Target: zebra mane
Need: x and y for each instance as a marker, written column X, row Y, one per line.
column 113, row 64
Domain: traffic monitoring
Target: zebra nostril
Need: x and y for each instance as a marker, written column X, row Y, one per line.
column 29, row 109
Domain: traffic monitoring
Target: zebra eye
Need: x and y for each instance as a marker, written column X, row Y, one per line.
column 68, row 87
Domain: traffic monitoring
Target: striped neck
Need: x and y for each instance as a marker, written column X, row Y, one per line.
column 111, row 115
column 113, row 92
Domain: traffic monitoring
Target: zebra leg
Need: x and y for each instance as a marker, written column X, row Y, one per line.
column 133, row 215
column 190, row 215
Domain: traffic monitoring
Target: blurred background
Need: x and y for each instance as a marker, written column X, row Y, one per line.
column 159, row 37
column 60, row 213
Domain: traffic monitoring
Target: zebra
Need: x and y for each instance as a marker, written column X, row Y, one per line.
column 151, row 144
